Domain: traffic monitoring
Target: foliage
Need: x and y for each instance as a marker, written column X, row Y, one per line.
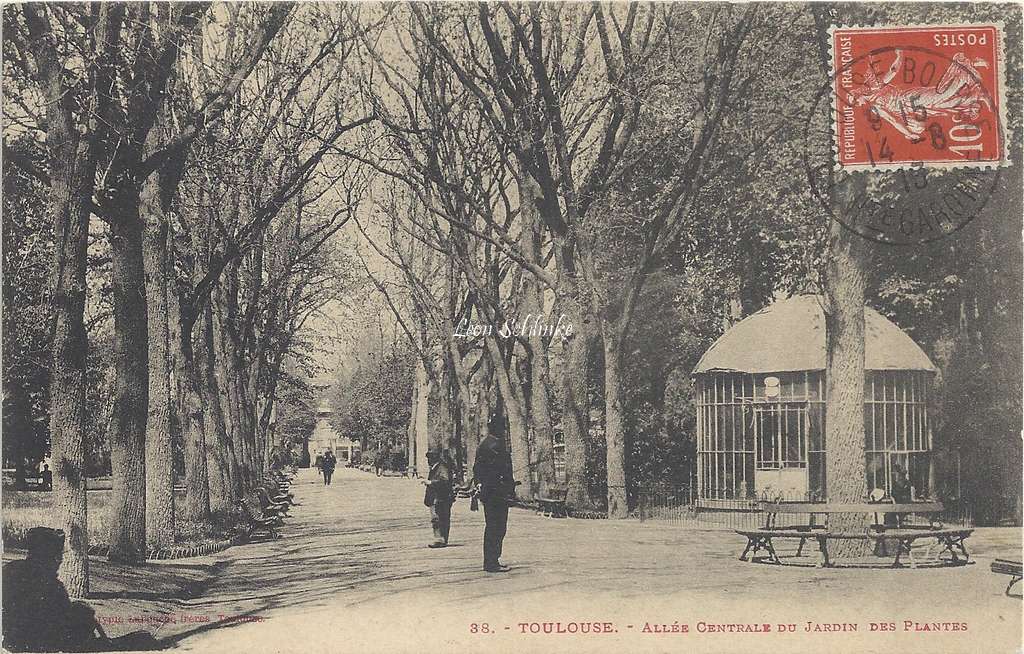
column 27, row 338
column 373, row 406
column 296, row 412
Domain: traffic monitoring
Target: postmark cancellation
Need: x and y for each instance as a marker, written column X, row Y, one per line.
column 918, row 96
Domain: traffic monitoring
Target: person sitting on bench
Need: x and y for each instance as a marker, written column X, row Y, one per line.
column 38, row 615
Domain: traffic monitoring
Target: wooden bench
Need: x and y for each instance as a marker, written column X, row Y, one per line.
column 553, row 505
column 951, row 540
column 270, row 506
column 1007, row 567
column 256, row 521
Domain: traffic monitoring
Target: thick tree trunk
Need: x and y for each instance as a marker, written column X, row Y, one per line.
column 130, row 402
column 197, row 477
column 517, row 421
column 844, row 426
column 159, row 457
column 615, row 455
column 191, row 410
column 224, row 365
column 439, row 422
column 576, row 408
column 419, row 421
column 220, row 457
column 483, row 398
column 70, row 189
column 542, row 455
column 467, row 411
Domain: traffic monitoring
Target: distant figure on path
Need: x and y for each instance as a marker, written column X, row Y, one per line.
column 439, row 497
column 328, row 466
column 378, row 460
column 319, row 464
column 47, row 477
column 492, row 471
column 38, row 615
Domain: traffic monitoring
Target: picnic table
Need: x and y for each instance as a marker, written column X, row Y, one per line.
column 902, row 533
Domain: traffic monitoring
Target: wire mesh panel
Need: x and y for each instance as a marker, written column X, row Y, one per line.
column 759, row 433
column 896, row 430
column 764, row 434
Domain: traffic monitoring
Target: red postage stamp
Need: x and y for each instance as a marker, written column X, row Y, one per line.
column 912, row 96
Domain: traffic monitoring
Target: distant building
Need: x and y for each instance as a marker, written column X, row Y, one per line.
column 326, row 438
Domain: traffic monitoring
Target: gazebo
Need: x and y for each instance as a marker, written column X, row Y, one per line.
column 761, row 403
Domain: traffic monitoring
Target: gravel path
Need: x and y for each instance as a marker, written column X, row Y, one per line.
column 353, row 574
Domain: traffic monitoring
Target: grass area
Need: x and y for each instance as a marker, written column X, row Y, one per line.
column 23, row 510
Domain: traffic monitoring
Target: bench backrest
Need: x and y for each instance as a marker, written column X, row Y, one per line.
column 882, row 507
column 252, row 507
column 555, row 493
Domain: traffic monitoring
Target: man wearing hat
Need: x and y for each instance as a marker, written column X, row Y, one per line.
column 439, row 496
column 38, row 615
column 492, row 471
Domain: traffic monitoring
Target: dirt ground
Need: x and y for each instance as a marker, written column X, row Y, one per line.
column 352, row 573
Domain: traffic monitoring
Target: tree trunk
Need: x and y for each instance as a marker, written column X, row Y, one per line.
column 467, row 411
column 439, row 420
column 71, row 175
column 615, row 456
column 533, row 304
column 129, row 407
column 197, row 477
column 159, row 456
column 844, row 425
column 576, row 408
column 220, row 456
column 517, row 420
column 191, row 411
column 484, row 399
column 419, row 421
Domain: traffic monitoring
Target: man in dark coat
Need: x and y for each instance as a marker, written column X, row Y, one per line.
column 439, row 497
column 328, row 466
column 38, row 615
column 492, row 471
column 901, row 489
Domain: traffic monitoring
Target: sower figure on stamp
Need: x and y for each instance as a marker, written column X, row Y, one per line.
column 492, row 471
column 439, row 497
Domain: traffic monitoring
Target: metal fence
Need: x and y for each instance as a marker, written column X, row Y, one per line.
column 683, row 506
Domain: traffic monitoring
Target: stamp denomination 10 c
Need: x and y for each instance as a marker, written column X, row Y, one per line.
column 916, row 96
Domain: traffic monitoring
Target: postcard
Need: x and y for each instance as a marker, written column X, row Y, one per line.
column 512, row 327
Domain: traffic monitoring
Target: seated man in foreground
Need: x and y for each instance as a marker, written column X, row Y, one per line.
column 38, row 615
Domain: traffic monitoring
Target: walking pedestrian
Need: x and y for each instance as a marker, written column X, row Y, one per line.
column 328, row 465
column 439, row 496
column 319, row 464
column 492, row 472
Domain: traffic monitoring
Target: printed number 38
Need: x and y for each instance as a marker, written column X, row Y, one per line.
column 481, row 628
